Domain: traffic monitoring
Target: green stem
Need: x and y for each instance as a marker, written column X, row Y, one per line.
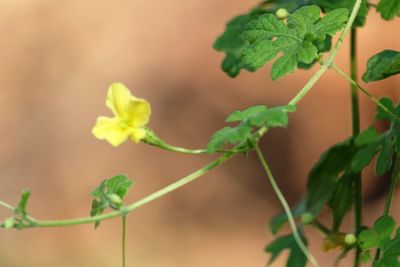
column 123, row 240
column 127, row 209
column 286, row 207
column 329, row 61
column 364, row 91
column 355, row 131
column 303, row 92
column 153, row 140
column 6, row 205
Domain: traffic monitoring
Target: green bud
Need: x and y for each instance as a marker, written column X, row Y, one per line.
column 350, row 239
column 307, row 218
column 115, row 199
column 9, row 223
column 282, row 13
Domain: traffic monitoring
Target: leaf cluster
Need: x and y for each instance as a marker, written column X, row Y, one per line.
column 380, row 237
column 248, row 121
column 231, row 41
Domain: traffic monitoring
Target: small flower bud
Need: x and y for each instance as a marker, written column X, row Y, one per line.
column 9, row 223
column 115, row 199
column 282, row 13
column 350, row 239
column 307, row 218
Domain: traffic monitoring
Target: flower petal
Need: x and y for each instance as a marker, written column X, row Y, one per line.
column 139, row 111
column 110, row 130
column 118, row 99
column 137, row 134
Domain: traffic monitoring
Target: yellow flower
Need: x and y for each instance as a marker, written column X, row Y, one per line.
column 131, row 116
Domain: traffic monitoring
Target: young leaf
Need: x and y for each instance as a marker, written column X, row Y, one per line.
column 268, row 36
column 329, row 5
column 389, row 9
column 23, row 201
column 110, row 194
column 253, row 117
column 382, row 66
column 296, row 256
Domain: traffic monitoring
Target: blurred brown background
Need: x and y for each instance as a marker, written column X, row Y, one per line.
column 58, row 58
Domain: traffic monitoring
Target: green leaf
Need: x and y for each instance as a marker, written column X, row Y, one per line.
column 382, row 65
column 231, row 41
column 287, row 242
column 323, row 177
column 369, row 142
column 110, row 194
column 329, row 5
column 364, row 156
column 379, row 236
column 389, row 9
column 296, row 40
column 272, row 117
column 366, row 137
column 385, row 144
column 245, row 114
column 228, row 135
column 384, row 161
column 341, row 200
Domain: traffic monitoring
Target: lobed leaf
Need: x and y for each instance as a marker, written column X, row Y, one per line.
column 110, row 194
column 231, row 41
column 299, row 40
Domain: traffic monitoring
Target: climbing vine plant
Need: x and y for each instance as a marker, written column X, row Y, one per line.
column 293, row 34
